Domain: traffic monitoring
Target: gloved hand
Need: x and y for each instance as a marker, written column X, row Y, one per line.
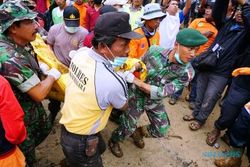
column 127, row 75
column 241, row 71
column 54, row 73
column 44, row 68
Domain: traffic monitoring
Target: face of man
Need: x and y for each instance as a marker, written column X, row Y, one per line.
column 152, row 24
column 238, row 16
column 25, row 32
column 91, row 2
column 173, row 7
column 186, row 53
column 137, row 2
column 208, row 13
column 119, row 48
column 60, row 3
column 79, row 2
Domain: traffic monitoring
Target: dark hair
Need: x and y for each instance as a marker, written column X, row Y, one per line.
column 98, row 38
column 17, row 23
column 106, row 9
column 98, row 2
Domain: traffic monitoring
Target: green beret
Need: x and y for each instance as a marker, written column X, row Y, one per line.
column 190, row 37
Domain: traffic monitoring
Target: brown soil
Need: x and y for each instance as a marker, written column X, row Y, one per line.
column 181, row 148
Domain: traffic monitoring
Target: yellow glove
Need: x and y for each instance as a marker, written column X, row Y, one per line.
column 241, row 71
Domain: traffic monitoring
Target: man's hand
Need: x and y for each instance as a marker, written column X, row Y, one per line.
column 241, row 2
column 241, row 71
column 207, row 33
column 127, row 75
column 54, row 73
column 142, row 86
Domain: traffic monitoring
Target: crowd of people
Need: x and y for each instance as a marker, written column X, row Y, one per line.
column 172, row 42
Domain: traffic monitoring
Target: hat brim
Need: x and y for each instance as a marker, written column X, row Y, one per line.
column 31, row 15
column 72, row 23
column 130, row 35
column 122, row 2
column 153, row 16
column 119, row 2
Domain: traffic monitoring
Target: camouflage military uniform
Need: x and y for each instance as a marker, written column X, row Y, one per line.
column 20, row 68
column 165, row 78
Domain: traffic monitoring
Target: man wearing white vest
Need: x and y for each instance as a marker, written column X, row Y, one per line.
column 169, row 26
column 93, row 89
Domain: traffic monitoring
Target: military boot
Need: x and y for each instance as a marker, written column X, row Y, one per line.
column 115, row 148
column 137, row 136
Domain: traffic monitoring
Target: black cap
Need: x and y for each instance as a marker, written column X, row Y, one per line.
column 71, row 16
column 115, row 24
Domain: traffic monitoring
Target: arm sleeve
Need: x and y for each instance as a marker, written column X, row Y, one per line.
column 51, row 36
column 166, row 90
column 246, row 15
column 181, row 16
column 11, row 114
column 219, row 12
column 118, row 96
column 159, row 92
column 17, row 71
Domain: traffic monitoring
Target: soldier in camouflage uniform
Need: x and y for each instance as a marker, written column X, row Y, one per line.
column 18, row 64
column 168, row 72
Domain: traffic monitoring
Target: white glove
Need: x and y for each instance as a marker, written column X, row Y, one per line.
column 54, row 73
column 132, row 69
column 44, row 68
column 129, row 77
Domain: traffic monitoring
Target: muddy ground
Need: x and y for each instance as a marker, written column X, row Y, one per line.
column 181, row 148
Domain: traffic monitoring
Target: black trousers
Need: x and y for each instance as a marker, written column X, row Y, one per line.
column 74, row 148
column 237, row 97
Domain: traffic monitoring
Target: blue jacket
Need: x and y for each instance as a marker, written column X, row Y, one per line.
column 230, row 38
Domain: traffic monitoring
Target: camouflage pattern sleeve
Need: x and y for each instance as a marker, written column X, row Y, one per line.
column 185, row 75
column 17, row 70
column 154, row 61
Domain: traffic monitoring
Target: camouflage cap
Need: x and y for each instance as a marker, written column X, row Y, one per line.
column 12, row 11
column 30, row 4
